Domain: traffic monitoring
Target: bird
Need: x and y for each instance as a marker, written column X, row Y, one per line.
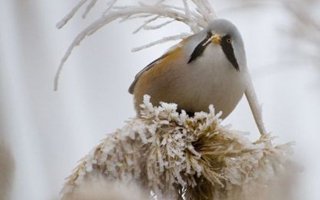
column 206, row 68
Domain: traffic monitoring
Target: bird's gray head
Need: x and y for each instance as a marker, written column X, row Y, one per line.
column 222, row 32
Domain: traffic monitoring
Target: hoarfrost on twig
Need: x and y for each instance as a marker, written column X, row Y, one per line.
column 65, row 20
column 89, row 7
column 165, row 39
column 196, row 20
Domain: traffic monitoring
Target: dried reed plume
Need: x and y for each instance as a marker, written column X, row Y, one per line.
column 173, row 156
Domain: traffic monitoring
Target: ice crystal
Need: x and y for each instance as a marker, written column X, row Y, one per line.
column 174, row 156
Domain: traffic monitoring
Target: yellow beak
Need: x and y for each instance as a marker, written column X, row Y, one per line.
column 216, row 39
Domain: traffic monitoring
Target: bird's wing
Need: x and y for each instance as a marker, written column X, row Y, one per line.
column 163, row 59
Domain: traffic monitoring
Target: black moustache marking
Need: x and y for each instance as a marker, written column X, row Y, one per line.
column 198, row 51
column 228, row 51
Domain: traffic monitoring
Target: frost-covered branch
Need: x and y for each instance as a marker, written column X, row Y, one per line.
column 173, row 156
column 256, row 110
column 165, row 39
column 196, row 14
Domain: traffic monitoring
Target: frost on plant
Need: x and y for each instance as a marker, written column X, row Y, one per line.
column 173, row 156
column 196, row 14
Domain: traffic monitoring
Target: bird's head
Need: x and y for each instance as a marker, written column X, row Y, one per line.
column 221, row 34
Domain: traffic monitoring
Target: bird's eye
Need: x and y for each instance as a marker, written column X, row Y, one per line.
column 229, row 40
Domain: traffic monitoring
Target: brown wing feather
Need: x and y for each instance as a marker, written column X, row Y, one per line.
column 166, row 57
column 149, row 66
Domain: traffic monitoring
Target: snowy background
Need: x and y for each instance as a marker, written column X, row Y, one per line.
column 50, row 131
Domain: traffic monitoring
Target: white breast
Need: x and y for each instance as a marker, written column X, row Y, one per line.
column 210, row 79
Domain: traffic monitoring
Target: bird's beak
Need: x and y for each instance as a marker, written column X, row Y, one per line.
column 216, row 39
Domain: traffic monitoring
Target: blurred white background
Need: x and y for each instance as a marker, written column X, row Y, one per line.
column 50, row 131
